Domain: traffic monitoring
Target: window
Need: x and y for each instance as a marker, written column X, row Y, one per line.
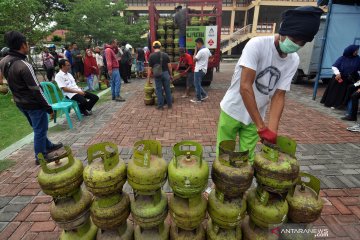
column 227, row 3
column 136, row 2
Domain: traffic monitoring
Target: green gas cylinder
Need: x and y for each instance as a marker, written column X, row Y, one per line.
column 61, row 178
column 188, row 173
column 106, row 172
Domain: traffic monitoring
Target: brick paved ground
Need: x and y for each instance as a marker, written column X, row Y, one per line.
column 325, row 149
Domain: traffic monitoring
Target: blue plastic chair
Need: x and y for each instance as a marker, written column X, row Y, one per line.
column 57, row 105
column 75, row 107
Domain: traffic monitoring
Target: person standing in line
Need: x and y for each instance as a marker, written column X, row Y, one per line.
column 100, row 64
column 147, row 54
column 124, row 63
column 90, row 69
column 262, row 77
column 67, row 54
column 201, row 59
column 113, row 70
column 77, row 61
column 140, row 59
column 159, row 64
column 48, row 64
column 27, row 92
column 52, row 50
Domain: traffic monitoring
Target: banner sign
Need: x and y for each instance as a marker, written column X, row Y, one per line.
column 207, row 33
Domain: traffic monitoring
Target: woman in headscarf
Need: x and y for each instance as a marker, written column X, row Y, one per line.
column 147, row 54
column 345, row 74
column 90, row 69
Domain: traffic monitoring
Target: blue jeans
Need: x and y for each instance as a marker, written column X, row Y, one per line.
column 200, row 92
column 348, row 108
column 182, row 41
column 39, row 122
column 140, row 66
column 163, row 83
column 90, row 82
column 115, row 83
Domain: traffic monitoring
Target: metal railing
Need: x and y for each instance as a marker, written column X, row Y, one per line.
column 244, row 33
column 265, row 28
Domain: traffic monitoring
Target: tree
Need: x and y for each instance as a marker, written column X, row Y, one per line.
column 56, row 38
column 31, row 17
column 97, row 22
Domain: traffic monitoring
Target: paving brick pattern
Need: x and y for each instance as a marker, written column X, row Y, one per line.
column 325, row 149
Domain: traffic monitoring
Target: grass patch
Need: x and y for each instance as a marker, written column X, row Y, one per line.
column 5, row 164
column 14, row 124
column 105, row 98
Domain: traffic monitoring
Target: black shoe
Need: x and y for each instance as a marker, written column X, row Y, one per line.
column 89, row 112
column 85, row 113
column 159, row 108
column 127, row 82
column 348, row 118
column 55, row 147
column 37, row 162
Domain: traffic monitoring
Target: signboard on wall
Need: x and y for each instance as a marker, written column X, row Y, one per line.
column 207, row 33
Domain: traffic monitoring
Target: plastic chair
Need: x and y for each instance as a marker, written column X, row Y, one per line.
column 75, row 106
column 58, row 105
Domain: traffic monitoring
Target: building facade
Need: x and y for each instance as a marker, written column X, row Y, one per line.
column 241, row 19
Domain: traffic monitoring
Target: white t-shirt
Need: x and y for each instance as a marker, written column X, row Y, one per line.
column 202, row 57
column 66, row 80
column 272, row 72
column 99, row 60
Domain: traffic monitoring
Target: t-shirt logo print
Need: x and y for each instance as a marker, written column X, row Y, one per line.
column 267, row 79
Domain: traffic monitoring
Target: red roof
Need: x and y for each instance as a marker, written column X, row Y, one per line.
column 61, row 33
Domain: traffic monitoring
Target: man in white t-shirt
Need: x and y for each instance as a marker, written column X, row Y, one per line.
column 201, row 59
column 262, row 76
column 70, row 89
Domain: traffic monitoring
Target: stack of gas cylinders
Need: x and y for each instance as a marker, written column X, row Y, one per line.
column 188, row 177
column 150, row 97
column 71, row 204
column 232, row 175
column 104, row 177
column 282, row 194
column 149, row 91
column 147, row 173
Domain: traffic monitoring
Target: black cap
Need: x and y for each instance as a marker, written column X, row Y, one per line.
column 301, row 23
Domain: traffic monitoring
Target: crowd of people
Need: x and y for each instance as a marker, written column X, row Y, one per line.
column 89, row 64
column 343, row 90
column 261, row 79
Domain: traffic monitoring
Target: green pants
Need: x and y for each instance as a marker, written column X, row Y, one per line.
column 229, row 128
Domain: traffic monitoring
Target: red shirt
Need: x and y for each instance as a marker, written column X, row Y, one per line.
column 187, row 60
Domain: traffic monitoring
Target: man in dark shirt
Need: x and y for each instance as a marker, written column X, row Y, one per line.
column 140, row 59
column 159, row 64
column 27, row 92
column 180, row 22
column 77, row 66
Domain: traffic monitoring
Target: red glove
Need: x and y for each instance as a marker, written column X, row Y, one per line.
column 267, row 135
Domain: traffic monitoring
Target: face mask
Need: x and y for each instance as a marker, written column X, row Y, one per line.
column 288, row 46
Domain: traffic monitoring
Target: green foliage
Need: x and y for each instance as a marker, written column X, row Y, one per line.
column 12, row 121
column 31, row 17
column 96, row 22
column 56, row 38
